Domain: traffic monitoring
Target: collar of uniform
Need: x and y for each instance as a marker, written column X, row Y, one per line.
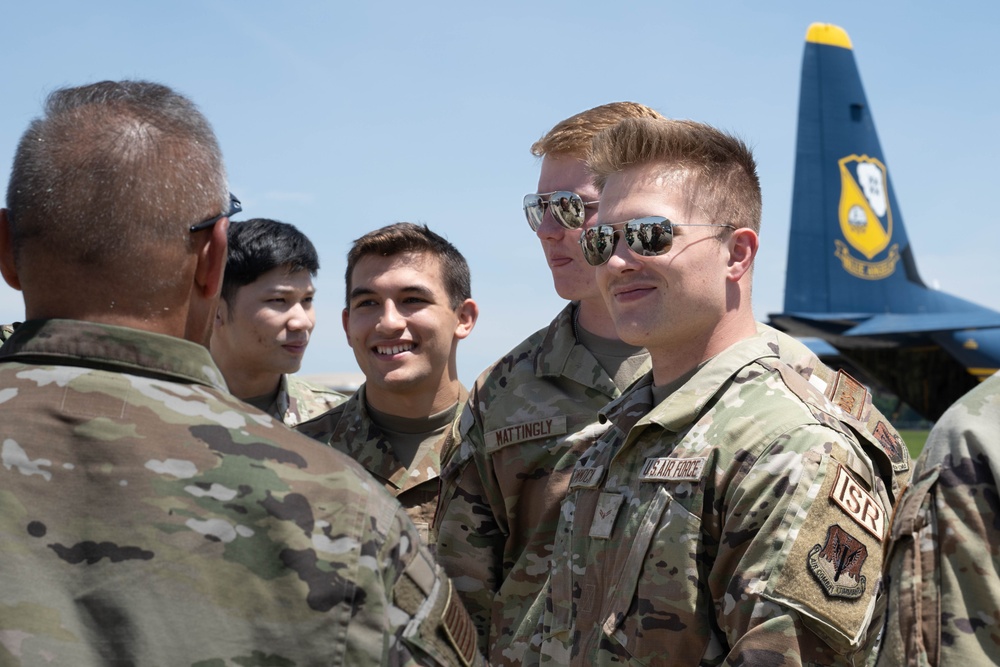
column 79, row 343
column 684, row 405
column 561, row 354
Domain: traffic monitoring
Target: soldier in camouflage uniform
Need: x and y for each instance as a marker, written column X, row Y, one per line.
column 532, row 413
column 730, row 513
column 147, row 516
column 409, row 303
column 266, row 318
column 944, row 562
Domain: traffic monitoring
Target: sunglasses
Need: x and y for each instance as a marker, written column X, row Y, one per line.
column 568, row 208
column 647, row 237
column 234, row 207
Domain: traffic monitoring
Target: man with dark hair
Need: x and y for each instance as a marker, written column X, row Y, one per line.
column 147, row 515
column 409, row 303
column 265, row 320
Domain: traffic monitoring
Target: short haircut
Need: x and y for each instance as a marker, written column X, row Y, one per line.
column 718, row 169
column 405, row 237
column 259, row 245
column 572, row 136
column 112, row 172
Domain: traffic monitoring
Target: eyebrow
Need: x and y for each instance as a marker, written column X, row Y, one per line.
column 412, row 289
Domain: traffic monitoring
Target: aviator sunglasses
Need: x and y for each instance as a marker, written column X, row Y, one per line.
column 647, row 237
column 568, row 208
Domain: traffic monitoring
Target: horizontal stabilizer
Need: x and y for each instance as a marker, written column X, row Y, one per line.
column 902, row 323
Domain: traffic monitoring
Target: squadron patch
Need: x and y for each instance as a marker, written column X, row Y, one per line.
column 837, row 564
column 670, row 469
column 608, row 505
column 858, row 503
column 534, row 430
column 893, row 447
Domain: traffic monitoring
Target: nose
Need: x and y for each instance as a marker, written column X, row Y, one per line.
column 301, row 318
column 622, row 258
column 550, row 228
column 391, row 320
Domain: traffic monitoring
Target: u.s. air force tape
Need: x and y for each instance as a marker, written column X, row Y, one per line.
column 672, row 469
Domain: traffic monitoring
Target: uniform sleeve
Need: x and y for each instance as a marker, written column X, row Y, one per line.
column 470, row 538
column 944, row 565
column 426, row 623
column 797, row 575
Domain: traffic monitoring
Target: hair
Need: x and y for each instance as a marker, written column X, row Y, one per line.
column 407, row 237
column 112, row 173
column 718, row 169
column 572, row 137
column 259, row 245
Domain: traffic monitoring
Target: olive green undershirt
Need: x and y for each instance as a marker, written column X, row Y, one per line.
column 410, row 436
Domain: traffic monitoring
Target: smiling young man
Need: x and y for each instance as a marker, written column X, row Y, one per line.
column 265, row 319
column 730, row 514
column 409, row 303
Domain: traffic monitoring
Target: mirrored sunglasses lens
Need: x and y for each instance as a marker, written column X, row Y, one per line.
column 533, row 211
column 598, row 243
column 648, row 239
column 568, row 209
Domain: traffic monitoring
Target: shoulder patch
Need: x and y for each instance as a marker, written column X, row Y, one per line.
column 893, row 447
column 673, row 469
column 849, row 395
column 533, row 430
column 460, row 631
column 858, row 503
column 837, row 564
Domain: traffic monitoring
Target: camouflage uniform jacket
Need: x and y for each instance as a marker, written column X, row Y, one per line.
column 149, row 517
column 944, row 562
column 299, row 400
column 528, row 418
column 349, row 428
column 739, row 521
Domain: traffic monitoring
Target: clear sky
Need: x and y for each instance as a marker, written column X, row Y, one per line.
column 342, row 117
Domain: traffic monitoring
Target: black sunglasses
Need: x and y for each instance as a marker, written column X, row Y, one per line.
column 646, row 237
column 234, row 207
column 568, row 208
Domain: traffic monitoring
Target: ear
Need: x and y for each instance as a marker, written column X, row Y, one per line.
column 7, row 267
column 345, row 318
column 212, row 262
column 468, row 313
column 743, row 245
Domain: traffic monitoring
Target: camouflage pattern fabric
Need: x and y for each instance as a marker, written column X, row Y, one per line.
column 299, row 401
column 350, row 429
column 528, row 419
column 944, row 562
column 149, row 517
column 737, row 522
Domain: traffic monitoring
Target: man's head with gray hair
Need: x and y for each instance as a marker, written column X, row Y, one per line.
column 103, row 192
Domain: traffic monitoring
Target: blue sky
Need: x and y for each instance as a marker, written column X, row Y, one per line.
column 343, row 117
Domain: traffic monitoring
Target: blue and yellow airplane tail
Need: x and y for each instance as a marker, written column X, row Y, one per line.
column 851, row 276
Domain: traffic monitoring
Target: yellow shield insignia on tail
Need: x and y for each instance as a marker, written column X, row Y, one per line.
column 865, row 217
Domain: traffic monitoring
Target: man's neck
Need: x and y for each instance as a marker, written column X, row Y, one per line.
column 413, row 405
column 592, row 314
column 681, row 356
column 244, row 386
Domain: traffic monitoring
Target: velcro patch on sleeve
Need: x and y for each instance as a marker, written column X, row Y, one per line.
column 858, row 503
column 533, row 430
column 673, row 469
column 849, row 394
column 893, row 447
column 460, row 631
column 830, row 572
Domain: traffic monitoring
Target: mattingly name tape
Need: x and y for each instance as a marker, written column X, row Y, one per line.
column 858, row 503
column 669, row 469
column 541, row 428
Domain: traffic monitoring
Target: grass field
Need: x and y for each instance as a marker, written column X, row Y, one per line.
column 914, row 441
